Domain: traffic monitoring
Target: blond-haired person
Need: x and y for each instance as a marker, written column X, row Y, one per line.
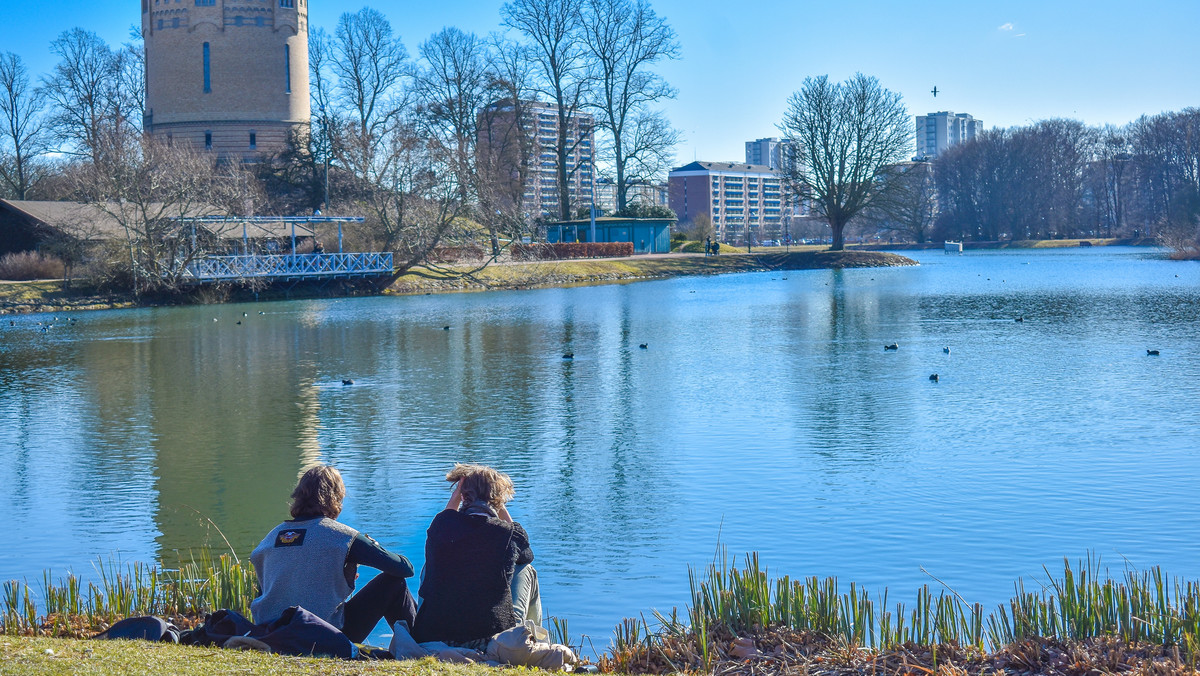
column 312, row 561
column 478, row 581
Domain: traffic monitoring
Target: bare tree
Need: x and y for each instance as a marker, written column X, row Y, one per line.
column 22, row 127
column 975, row 188
column 910, row 207
column 146, row 186
column 848, row 138
column 624, row 39
column 554, row 29
column 649, row 150
column 505, row 147
column 370, row 66
column 89, row 93
column 403, row 178
column 451, row 87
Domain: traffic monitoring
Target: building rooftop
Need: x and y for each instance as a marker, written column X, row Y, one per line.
column 726, row 166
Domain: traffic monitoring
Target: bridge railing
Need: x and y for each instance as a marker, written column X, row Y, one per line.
column 289, row 266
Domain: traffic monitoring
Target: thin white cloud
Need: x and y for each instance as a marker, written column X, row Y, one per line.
column 1006, row 27
column 1019, row 35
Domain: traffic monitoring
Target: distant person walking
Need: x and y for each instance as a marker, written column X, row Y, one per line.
column 707, row 246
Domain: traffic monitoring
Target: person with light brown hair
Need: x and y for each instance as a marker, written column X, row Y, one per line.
column 478, row 581
column 312, row 561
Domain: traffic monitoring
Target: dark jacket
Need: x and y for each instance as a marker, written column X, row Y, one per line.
column 467, row 590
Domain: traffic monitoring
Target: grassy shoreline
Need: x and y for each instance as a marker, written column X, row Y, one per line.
column 740, row 620
column 519, row 276
column 1017, row 244
column 57, row 296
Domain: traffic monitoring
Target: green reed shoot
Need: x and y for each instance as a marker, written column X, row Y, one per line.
column 1081, row 603
column 201, row 586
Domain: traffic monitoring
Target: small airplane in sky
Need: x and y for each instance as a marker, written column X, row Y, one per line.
column 935, row 91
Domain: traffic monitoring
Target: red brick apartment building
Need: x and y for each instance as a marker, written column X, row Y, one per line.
column 741, row 199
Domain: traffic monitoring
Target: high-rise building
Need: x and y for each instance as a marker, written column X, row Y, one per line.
column 500, row 139
column 775, row 153
column 938, row 131
column 741, row 199
column 227, row 76
column 637, row 192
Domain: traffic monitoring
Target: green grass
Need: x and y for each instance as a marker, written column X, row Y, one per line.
column 30, row 656
column 591, row 271
column 71, row 609
column 1134, row 616
column 1083, row 604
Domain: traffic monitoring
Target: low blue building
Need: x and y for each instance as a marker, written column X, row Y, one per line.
column 648, row 235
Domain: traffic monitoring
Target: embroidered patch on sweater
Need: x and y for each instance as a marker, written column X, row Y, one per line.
column 292, row 537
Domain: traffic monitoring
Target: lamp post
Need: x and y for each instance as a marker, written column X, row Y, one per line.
column 592, row 207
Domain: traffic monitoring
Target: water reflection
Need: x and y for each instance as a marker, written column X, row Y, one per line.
column 764, row 412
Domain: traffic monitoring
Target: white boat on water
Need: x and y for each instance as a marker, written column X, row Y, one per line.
column 954, row 247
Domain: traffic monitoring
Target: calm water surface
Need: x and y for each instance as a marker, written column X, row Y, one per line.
column 765, row 415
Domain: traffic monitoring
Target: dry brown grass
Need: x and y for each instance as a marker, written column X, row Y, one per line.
column 30, row 265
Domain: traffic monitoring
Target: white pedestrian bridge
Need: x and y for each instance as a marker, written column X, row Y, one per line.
column 265, row 248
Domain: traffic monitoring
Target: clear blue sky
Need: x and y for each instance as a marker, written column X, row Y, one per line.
column 1006, row 63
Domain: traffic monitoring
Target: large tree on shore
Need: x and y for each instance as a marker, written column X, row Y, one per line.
column 22, row 127
column 554, row 29
column 624, row 39
column 403, row 174
column 94, row 92
column 849, row 136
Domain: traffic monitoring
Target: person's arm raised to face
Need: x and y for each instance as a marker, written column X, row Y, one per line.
column 455, row 496
column 503, row 514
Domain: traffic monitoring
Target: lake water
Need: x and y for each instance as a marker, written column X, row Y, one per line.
column 764, row 415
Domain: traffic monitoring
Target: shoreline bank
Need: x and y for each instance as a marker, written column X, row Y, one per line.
column 739, row 620
column 56, row 296
column 545, row 274
column 1015, row 244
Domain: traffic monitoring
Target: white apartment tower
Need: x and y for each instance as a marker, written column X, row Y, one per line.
column 938, row 131
column 773, row 153
column 538, row 127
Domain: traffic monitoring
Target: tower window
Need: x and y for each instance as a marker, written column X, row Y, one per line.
column 253, row 141
column 287, row 3
column 206, row 3
column 207, row 70
column 175, row 22
column 208, row 140
column 287, row 68
column 237, row 20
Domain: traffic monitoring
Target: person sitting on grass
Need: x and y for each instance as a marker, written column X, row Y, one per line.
column 312, row 561
column 478, row 581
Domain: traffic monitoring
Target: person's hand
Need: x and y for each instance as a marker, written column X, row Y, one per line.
column 503, row 514
column 455, row 496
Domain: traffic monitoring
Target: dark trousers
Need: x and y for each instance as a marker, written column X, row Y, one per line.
column 387, row 597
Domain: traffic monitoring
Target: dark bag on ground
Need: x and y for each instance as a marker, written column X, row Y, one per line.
column 218, row 628
column 299, row 632
column 295, row 632
column 145, row 628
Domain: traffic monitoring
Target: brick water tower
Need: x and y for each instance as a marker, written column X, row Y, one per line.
column 229, row 76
